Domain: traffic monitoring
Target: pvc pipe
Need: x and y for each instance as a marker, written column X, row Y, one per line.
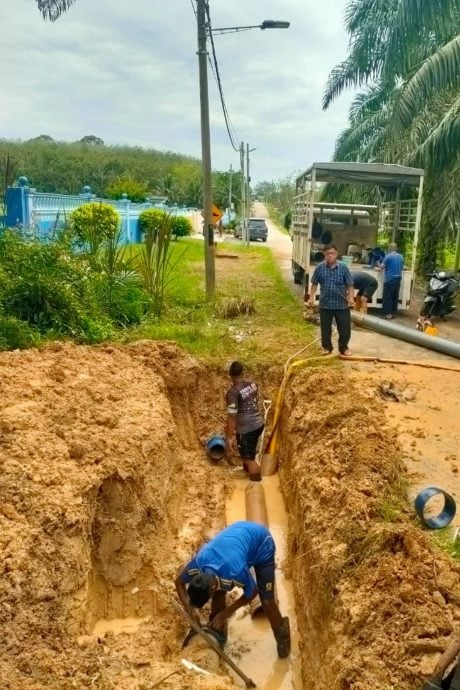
column 410, row 335
column 256, row 507
column 268, row 465
column 256, row 511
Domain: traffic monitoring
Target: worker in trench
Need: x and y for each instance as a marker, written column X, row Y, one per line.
column 225, row 562
column 245, row 422
column 366, row 285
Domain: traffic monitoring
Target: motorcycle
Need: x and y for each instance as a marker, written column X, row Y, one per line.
column 439, row 299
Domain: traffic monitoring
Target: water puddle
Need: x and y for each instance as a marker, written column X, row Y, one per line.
column 260, row 662
column 118, row 625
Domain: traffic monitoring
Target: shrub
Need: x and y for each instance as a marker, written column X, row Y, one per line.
column 156, row 264
column 151, row 221
column 50, row 289
column 94, row 223
column 123, row 298
column 16, row 334
column 180, row 226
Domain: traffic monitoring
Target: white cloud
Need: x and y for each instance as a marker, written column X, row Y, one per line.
column 127, row 72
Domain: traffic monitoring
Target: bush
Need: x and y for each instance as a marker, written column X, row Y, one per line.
column 51, row 290
column 180, row 226
column 16, row 334
column 123, row 299
column 93, row 224
column 151, row 221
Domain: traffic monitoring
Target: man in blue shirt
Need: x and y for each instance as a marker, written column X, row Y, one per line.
column 392, row 264
column 335, row 299
column 225, row 562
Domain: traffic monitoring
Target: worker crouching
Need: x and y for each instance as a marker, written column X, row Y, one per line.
column 225, row 562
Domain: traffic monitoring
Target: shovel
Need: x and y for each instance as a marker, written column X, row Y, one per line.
column 182, row 612
column 449, row 656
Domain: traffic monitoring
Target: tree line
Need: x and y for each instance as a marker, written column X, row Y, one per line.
column 110, row 171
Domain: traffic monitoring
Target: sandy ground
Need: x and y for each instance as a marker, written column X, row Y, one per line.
column 428, row 427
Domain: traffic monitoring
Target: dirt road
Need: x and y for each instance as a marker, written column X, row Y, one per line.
column 427, row 427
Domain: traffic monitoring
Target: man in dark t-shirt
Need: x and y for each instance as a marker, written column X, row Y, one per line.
column 244, row 419
column 366, row 285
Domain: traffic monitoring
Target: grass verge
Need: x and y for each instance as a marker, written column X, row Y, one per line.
column 268, row 336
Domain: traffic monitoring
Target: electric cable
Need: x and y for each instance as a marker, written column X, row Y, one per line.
column 215, row 69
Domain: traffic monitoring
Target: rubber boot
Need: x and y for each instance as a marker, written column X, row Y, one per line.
column 283, row 639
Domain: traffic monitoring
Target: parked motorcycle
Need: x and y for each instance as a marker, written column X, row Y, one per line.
column 439, row 299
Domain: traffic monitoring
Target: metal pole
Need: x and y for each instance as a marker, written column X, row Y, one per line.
column 209, row 260
column 243, row 195
column 418, row 219
column 311, row 211
column 230, row 194
column 248, row 197
column 457, row 251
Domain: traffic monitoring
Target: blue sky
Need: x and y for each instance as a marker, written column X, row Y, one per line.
column 128, row 73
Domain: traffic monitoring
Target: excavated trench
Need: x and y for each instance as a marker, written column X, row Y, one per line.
column 107, row 489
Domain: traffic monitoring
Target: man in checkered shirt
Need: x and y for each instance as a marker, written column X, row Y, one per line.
column 335, row 299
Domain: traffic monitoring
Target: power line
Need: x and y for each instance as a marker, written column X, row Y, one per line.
column 215, row 69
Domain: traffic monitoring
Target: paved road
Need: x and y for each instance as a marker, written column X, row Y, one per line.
column 364, row 342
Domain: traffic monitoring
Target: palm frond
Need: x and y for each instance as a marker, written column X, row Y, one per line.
column 419, row 29
column 438, row 73
column 52, row 9
column 372, row 98
column 360, row 13
column 443, row 143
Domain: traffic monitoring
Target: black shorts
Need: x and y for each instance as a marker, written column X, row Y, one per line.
column 265, row 578
column 368, row 291
column 247, row 443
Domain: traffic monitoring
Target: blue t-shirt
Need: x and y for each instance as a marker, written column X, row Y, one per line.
column 231, row 555
column 393, row 264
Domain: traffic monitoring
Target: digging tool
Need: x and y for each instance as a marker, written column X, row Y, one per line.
column 182, row 612
column 267, row 405
column 449, row 656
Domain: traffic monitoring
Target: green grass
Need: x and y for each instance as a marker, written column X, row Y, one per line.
column 443, row 539
column 266, row 337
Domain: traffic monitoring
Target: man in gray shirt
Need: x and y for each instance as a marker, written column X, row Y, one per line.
column 244, row 419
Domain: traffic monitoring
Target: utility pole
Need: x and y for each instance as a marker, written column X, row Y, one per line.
column 230, row 194
column 248, row 193
column 248, row 197
column 243, row 195
column 209, row 259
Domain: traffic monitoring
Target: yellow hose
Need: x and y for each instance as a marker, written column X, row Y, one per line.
column 290, row 367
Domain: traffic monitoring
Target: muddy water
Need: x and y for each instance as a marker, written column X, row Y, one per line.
column 259, row 660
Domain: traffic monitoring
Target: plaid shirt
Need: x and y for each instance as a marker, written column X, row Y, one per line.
column 334, row 283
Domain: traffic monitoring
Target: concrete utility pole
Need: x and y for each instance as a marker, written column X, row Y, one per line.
column 248, row 193
column 243, row 195
column 209, row 259
column 230, row 194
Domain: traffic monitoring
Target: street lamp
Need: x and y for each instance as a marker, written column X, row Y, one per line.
column 266, row 24
column 202, row 28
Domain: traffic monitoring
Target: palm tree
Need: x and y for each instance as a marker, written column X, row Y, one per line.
column 407, row 55
column 52, row 9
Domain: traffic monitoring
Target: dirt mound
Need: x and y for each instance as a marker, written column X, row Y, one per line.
column 105, row 491
column 375, row 603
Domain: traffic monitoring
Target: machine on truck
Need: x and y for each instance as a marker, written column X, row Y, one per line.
column 359, row 231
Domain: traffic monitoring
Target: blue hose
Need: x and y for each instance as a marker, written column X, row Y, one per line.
column 447, row 514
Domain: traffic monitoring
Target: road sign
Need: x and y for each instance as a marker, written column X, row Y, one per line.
column 216, row 214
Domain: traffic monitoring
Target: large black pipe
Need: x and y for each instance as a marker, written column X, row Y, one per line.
column 410, row 335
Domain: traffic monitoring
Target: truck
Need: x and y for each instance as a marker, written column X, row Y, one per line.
column 359, row 231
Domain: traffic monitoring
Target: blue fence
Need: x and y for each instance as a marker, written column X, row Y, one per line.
column 41, row 214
